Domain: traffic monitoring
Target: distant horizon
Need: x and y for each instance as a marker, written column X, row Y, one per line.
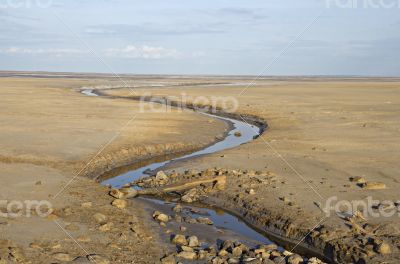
column 114, row 75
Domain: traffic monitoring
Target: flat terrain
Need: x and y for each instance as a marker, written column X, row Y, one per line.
column 321, row 133
column 51, row 137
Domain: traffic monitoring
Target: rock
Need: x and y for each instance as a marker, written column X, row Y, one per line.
column 81, row 260
column 168, row 260
column 186, row 248
column 269, row 247
column 162, row 218
column 285, row 199
column 204, row 220
column 98, row 259
column 87, row 205
column 100, row 218
column 373, row 186
column 294, row 259
column 72, row 227
column 202, row 254
column 357, row 179
column 106, row 227
column 223, row 253
column 84, row 239
column 217, row 260
column 275, row 254
column 177, row 208
column 187, row 255
column 183, row 228
column 35, row 245
column 63, row 257
column 279, row 260
column 193, row 241
column 161, row 177
column 179, row 240
column 268, row 261
column 190, row 196
column 383, row 248
column 38, row 183
column 237, row 251
column 126, row 192
column 260, row 251
column 119, row 203
column 238, row 134
column 287, row 253
column 116, row 193
column 315, row 261
column 251, row 192
column 16, row 255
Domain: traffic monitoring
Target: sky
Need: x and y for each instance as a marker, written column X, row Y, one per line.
column 227, row 37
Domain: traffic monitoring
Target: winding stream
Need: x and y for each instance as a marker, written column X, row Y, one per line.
column 234, row 226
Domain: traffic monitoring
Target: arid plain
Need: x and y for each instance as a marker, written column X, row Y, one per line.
column 330, row 141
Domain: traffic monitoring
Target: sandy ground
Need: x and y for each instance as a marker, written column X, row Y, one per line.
column 52, row 139
column 321, row 133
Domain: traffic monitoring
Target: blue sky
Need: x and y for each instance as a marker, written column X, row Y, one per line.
column 269, row 37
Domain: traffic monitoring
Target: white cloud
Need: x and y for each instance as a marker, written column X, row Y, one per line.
column 144, row 52
column 130, row 51
column 28, row 51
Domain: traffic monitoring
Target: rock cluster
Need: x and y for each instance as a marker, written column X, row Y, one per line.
column 231, row 252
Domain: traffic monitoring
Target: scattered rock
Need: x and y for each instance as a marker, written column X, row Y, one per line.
column 119, row 203
column 294, row 259
column 63, row 257
column 177, row 208
column 237, row 251
column 161, row 177
column 238, row 134
column 251, row 191
column 98, row 259
column 116, row 193
column 187, row 255
column 383, row 248
column 179, row 240
column 373, row 185
column 72, row 227
column 357, row 179
column 193, row 241
column 162, row 218
column 87, row 205
column 100, row 218
column 168, row 260
column 204, row 220
column 106, row 227
column 84, row 239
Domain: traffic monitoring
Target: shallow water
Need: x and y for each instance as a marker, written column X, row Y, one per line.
column 221, row 219
column 230, row 141
column 89, row 93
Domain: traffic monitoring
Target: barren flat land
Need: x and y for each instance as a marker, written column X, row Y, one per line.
column 322, row 180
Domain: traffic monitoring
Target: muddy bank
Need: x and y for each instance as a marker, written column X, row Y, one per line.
column 358, row 243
